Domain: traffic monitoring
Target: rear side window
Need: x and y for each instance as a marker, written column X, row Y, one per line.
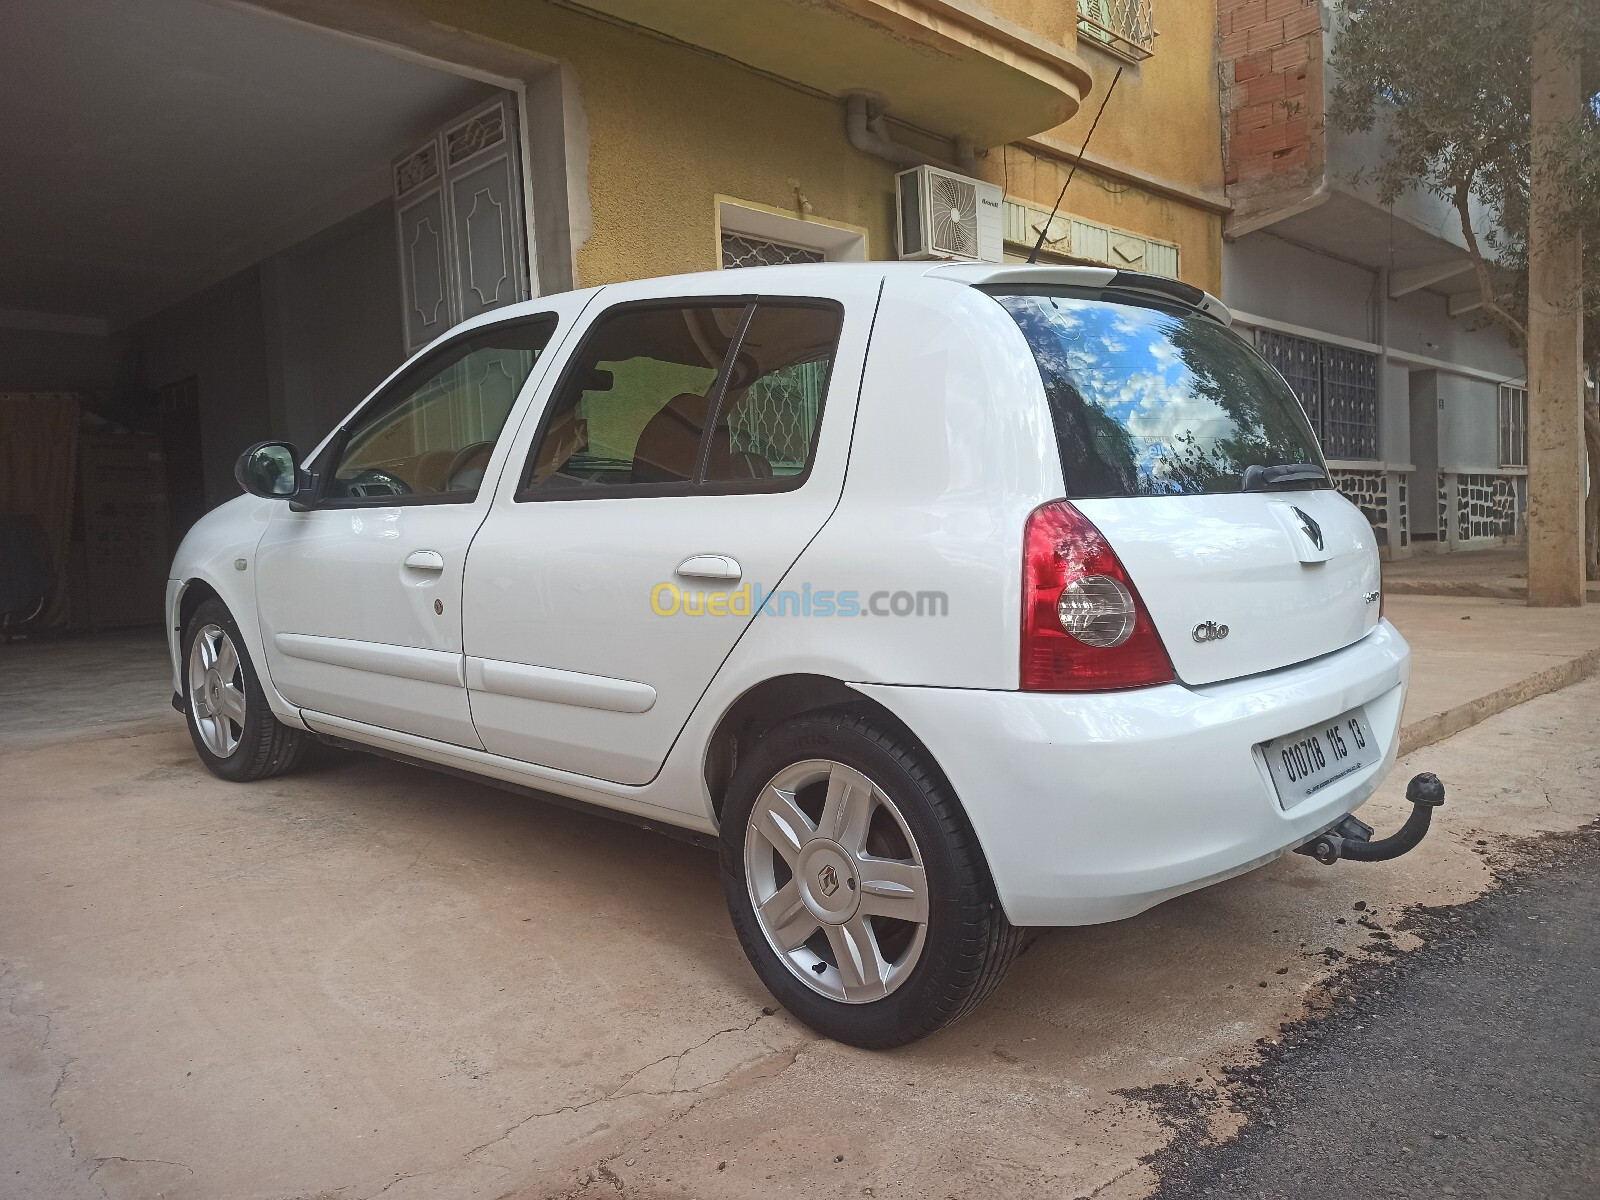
column 768, row 421
column 1152, row 400
column 671, row 398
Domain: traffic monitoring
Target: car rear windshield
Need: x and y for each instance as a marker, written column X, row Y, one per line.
column 1151, row 399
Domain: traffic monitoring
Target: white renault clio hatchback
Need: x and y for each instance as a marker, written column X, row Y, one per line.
column 953, row 600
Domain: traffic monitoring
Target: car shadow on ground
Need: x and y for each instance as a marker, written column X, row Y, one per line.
column 1193, row 970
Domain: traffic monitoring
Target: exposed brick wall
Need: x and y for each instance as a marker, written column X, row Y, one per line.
column 1270, row 56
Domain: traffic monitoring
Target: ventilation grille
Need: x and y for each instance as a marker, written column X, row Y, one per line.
column 954, row 204
column 948, row 216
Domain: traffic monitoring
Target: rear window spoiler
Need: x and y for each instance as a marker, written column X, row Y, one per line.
column 1019, row 276
column 1172, row 289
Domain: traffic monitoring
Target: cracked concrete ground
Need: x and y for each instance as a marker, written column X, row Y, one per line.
column 367, row 979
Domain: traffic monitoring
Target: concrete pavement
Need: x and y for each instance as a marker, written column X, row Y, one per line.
column 1473, row 657
column 366, row 978
column 1500, row 573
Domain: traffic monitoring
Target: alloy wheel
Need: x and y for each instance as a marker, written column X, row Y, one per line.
column 837, row 881
column 216, row 690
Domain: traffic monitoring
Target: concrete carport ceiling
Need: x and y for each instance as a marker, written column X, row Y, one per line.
column 153, row 146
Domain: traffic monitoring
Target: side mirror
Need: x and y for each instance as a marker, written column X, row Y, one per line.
column 268, row 469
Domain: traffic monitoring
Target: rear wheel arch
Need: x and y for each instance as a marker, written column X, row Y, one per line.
column 774, row 701
column 761, row 707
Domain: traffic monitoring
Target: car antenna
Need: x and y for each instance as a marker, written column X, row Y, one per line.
column 1033, row 255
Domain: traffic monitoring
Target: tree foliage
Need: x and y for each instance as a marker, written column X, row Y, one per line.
column 1449, row 84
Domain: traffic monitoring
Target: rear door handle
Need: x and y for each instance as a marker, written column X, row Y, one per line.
column 709, row 566
column 425, row 560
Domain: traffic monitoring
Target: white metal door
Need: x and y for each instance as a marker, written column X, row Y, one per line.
column 461, row 225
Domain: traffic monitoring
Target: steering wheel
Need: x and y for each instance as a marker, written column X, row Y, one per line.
column 463, row 461
column 376, row 482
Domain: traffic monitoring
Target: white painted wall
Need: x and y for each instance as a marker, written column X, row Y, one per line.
column 1419, row 324
column 1394, row 414
column 1266, row 276
column 1270, row 277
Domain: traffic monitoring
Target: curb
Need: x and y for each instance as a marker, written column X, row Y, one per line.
column 1463, row 716
column 1482, row 591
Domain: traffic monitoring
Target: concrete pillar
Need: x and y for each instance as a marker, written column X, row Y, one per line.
column 1555, row 371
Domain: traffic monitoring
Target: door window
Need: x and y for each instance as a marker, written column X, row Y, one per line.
column 428, row 437
column 684, row 397
column 769, row 417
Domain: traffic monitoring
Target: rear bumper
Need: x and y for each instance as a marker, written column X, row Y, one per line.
column 1095, row 807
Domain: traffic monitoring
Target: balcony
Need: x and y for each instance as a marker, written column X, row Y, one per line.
column 1124, row 27
column 953, row 67
column 1290, row 172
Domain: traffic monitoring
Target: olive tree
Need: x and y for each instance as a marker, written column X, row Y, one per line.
column 1450, row 84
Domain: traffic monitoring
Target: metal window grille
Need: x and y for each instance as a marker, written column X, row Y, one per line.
column 1125, row 27
column 1337, row 386
column 779, row 414
column 1513, row 425
column 741, row 251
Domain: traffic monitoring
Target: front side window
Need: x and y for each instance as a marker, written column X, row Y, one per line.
column 1150, row 399
column 431, row 433
column 687, row 396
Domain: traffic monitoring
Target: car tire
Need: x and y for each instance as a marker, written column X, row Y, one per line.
column 233, row 728
column 835, row 820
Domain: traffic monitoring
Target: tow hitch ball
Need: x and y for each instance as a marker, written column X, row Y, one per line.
column 1352, row 839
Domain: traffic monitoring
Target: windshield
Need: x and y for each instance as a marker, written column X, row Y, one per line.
column 1156, row 400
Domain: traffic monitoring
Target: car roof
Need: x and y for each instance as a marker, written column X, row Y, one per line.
column 820, row 278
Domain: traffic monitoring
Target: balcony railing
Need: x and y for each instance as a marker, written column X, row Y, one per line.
column 1122, row 26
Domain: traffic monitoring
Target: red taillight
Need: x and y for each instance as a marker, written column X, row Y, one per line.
column 1117, row 646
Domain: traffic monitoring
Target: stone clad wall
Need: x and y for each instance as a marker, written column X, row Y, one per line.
column 1368, row 491
column 1486, row 506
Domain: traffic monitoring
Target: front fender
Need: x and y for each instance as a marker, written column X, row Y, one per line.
column 211, row 554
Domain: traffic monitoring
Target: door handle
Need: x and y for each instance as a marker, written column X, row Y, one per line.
column 425, row 560
column 709, row 566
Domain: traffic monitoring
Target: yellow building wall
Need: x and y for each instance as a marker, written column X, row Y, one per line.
column 1163, row 120
column 670, row 128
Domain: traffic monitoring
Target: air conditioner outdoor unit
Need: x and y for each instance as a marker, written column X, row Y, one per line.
column 945, row 215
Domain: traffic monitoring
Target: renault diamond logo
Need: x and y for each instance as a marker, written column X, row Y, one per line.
column 828, row 880
column 1309, row 524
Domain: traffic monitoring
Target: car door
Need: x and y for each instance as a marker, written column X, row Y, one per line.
column 360, row 596
column 689, row 451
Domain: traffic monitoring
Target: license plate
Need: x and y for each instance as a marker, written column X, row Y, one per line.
column 1305, row 762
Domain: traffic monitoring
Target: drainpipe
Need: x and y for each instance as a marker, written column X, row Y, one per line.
column 868, row 131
